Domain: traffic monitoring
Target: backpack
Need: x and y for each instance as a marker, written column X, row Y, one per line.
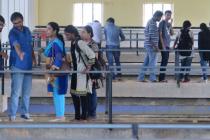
column 101, row 59
column 185, row 43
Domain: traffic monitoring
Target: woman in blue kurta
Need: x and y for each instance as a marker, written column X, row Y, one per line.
column 58, row 86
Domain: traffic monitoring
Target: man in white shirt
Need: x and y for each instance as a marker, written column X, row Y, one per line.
column 97, row 32
column 2, row 54
column 2, row 23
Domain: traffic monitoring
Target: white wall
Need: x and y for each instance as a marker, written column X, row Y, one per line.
column 26, row 7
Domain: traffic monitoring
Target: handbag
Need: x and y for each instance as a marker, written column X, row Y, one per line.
column 66, row 64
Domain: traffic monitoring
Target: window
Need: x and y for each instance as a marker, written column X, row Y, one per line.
column 85, row 13
column 26, row 7
column 149, row 9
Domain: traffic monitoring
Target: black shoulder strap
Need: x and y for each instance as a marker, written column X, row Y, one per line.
column 79, row 52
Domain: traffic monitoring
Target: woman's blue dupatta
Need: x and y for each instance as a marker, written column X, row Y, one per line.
column 48, row 49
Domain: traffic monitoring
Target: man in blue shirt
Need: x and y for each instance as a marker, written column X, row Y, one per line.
column 21, row 56
column 112, row 35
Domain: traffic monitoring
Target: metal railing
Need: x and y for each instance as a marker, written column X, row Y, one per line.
column 134, row 128
column 109, row 74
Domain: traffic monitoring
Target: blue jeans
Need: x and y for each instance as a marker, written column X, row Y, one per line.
column 92, row 103
column 20, row 86
column 203, row 64
column 114, row 56
column 150, row 62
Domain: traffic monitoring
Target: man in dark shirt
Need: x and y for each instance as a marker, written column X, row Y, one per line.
column 165, row 31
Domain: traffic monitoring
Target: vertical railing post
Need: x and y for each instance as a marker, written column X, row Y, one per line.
column 107, row 92
column 177, row 69
column 137, row 44
column 2, row 74
column 39, row 45
column 110, row 97
column 135, row 130
column 131, row 38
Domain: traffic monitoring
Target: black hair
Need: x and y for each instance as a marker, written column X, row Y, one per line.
column 111, row 20
column 71, row 29
column 2, row 19
column 168, row 12
column 158, row 14
column 15, row 16
column 204, row 27
column 89, row 30
column 56, row 28
column 187, row 24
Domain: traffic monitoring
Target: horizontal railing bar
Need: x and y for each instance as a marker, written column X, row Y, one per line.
column 64, row 126
column 174, row 126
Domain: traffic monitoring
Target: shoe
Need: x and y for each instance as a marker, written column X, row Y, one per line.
column 203, row 81
column 75, row 120
column 163, row 81
column 206, row 81
column 115, row 80
column 154, row 81
column 26, row 118
column 12, row 119
column 92, row 117
column 143, row 81
column 186, row 80
column 63, row 119
column 120, row 79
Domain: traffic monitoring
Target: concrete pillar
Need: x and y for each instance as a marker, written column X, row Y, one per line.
column 3, row 103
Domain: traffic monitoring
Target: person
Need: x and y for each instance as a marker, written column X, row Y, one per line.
column 82, row 59
column 112, row 35
column 2, row 54
column 97, row 32
column 184, row 41
column 204, row 44
column 209, row 25
column 97, row 37
column 165, row 31
column 86, row 35
column 56, row 52
column 21, row 59
column 151, row 45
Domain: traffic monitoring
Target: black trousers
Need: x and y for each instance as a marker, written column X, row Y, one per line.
column 80, row 101
column 164, row 63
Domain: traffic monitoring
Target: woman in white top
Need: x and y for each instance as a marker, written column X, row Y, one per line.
column 82, row 59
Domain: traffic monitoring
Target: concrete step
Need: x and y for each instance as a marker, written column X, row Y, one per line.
column 193, row 89
column 88, row 131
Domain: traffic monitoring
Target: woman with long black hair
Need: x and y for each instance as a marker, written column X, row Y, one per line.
column 57, row 84
column 82, row 59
